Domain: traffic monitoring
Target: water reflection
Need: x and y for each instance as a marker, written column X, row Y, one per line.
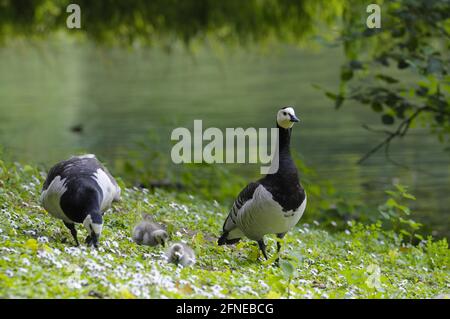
column 119, row 96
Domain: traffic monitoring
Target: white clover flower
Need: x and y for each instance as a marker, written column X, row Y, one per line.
column 42, row 239
column 263, row 284
column 138, row 265
column 73, row 283
column 22, row 270
column 26, row 262
column 72, row 251
column 43, row 254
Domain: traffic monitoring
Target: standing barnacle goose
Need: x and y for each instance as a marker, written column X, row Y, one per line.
column 80, row 190
column 273, row 204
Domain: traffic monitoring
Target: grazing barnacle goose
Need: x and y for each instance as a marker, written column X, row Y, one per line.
column 149, row 233
column 80, row 190
column 275, row 203
column 180, row 254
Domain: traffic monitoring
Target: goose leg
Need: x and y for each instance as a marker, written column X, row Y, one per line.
column 279, row 236
column 262, row 247
column 73, row 231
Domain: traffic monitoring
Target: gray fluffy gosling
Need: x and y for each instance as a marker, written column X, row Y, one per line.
column 149, row 233
column 180, row 254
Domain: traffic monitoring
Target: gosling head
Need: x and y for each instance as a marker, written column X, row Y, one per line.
column 160, row 237
column 286, row 117
column 147, row 217
column 180, row 254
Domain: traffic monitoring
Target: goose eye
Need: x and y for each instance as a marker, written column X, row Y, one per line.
column 284, row 113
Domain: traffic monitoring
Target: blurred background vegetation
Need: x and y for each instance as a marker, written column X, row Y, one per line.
column 374, row 103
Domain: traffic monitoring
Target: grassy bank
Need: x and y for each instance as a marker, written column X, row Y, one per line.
column 37, row 257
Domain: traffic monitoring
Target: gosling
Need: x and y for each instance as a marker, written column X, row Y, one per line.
column 180, row 254
column 149, row 233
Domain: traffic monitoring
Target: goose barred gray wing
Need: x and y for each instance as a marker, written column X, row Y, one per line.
column 85, row 165
column 54, row 171
column 230, row 222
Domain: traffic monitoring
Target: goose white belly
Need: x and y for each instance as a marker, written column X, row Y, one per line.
column 263, row 215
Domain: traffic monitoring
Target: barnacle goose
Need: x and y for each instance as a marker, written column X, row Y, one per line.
column 80, row 190
column 275, row 203
column 149, row 233
column 180, row 254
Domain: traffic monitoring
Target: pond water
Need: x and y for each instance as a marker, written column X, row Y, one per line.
column 121, row 95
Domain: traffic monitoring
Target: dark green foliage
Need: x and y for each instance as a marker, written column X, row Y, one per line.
column 413, row 44
column 145, row 22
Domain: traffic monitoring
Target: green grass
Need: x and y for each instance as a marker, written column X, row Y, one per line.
column 38, row 260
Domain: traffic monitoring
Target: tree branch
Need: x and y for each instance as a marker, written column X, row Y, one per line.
column 401, row 130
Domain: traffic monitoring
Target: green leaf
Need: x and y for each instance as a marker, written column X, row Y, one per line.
column 391, row 202
column 387, row 119
column 339, row 101
column 346, row 74
column 402, row 64
column 377, row 107
column 287, row 268
column 331, row 95
column 386, row 78
column 408, row 196
column 391, row 193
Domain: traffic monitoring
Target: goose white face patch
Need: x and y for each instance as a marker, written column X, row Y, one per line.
column 284, row 117
column 90, row 226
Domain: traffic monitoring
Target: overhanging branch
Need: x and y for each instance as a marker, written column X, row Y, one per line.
column 401, row 130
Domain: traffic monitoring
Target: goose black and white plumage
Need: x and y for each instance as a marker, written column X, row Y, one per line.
column 275, row 203
column 80, row 190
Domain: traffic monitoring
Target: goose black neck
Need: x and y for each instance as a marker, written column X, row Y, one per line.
column 284, row 140
column 287, row 172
